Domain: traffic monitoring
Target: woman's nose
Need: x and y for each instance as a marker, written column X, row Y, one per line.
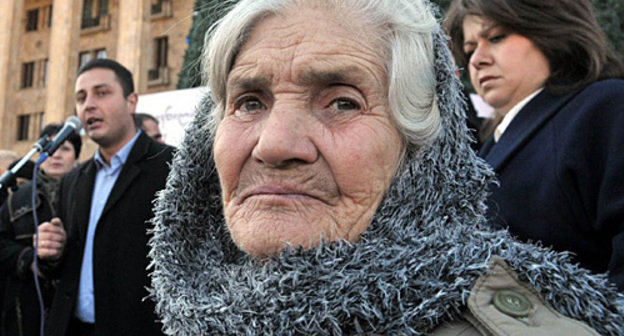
column 480, row 57
column 284, row 139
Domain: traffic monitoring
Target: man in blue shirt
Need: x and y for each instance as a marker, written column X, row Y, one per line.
column 99, row 244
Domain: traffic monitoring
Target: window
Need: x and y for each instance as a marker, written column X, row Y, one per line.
column 45, row 72
column 41, row 73
column 88, row 9
column 28, row 71
column 87, row 55
column 89, row 17
column 29, row 125
column 161, row 9
column 38, row 122
column 49, row 9
column 32, row 19
column 103, row 7
column 100, row 53
column 162, row 48
column 23, row 122
column 157, row 6
column 92, row 11
column 35, row 73
column 39, row 18
column 158, row 74
column 83, row 58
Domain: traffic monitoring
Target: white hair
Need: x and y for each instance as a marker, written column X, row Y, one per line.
column 405, row 26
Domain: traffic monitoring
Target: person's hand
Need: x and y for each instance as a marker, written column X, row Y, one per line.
column 51, row 240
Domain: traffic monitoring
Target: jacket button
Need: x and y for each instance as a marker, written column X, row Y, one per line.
column 512, row 303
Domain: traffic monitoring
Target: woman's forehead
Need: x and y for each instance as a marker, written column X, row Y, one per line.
column 478, row 23
column 304, row 25
column 306, row 52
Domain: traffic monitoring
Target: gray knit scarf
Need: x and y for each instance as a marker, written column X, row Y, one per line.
column 411, row 271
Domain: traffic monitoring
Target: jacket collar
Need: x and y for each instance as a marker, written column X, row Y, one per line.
column 129, row 171
column 523, row 127
column 85, row 182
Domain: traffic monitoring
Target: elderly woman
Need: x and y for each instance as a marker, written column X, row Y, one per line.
column 545, row 67
column 330, row 190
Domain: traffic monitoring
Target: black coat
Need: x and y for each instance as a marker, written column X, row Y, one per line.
column 561, row 169
column 21, row 312
column 120, row 243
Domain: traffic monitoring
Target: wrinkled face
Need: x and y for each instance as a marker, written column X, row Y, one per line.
column 307, row 147
column 150, row 127
column 61, row 162
column 105, row 113
column 504, row 67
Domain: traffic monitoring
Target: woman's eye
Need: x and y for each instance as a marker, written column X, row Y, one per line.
column 497, row 38
column 344, row 104
column 249, row 105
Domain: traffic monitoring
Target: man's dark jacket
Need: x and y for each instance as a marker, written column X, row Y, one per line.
column 120, row 244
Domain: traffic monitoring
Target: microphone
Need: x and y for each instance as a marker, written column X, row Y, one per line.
column 72, row 124
column 45, row 147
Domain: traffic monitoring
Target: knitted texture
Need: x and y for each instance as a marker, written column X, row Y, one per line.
column 410, row 271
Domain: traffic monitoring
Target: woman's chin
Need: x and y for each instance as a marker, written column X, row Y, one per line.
column 264, row 230
column 269, row 237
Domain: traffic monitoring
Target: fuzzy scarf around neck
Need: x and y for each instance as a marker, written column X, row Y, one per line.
column 411, row 271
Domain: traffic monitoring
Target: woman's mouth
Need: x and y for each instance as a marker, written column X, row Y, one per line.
column 486, row 79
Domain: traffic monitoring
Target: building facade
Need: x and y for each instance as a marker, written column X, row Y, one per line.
column 44, row 42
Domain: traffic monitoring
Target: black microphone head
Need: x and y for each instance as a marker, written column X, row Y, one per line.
column 72, row 124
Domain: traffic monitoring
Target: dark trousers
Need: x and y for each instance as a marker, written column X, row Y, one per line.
column 79, row 328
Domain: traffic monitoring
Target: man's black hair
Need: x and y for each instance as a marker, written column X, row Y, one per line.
column 74, row 138
column 139, row 119
column 123, row 75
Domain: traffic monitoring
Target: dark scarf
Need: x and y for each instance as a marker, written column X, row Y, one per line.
column 49, row 187
column 411, row 271
column 20, row 203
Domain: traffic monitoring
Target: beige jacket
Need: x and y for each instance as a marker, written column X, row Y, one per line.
column 500, row 304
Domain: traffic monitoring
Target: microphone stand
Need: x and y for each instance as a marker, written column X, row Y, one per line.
column 9, row 176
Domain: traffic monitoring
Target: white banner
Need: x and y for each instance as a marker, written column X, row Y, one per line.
column 173, row 109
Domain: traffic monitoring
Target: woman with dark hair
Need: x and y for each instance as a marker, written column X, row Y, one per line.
column 556, row 87
column 21, row 305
